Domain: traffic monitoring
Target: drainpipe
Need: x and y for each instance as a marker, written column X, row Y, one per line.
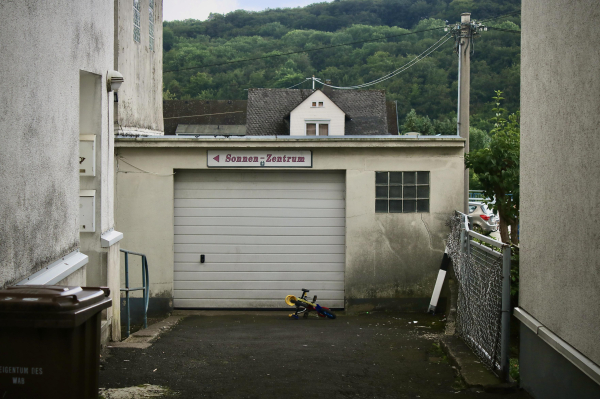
column 397, row 121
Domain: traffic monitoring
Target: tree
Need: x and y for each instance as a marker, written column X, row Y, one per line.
column 198, row 83
column 428, row 87
column 416, row 123
column 169, row 38
column 445, row 127
column 497, row 168
column 478, row 139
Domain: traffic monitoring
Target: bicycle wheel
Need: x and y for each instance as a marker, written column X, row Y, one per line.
column 328, row 313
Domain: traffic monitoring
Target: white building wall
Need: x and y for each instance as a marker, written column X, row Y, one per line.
column 560, row 170
column 43, row 47
column 140, row 98
column 329, row 113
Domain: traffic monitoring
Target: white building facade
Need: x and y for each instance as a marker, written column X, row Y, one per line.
column 559, row 282
column 57, row 101
column 317, row 116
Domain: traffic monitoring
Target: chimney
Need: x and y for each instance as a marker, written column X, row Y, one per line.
column 326, row 89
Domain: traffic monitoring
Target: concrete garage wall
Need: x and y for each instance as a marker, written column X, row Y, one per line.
column 140, row 97
column 397, row 256
column 43, row 47
column 560, row 170
column 388, row 256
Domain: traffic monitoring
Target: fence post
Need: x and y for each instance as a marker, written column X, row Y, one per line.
column 127, row 293
column 463, row 233
column 505, row 340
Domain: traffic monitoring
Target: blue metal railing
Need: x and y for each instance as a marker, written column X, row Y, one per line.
column 478, row 196
column 145, row 287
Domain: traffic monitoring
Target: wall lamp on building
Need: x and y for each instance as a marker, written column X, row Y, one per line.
column 114, row 79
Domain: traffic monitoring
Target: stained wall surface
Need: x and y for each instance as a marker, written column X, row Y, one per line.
column 388, row 256
column 140, row 97
column 92, row 122
column 44, row 45
column 560, row 169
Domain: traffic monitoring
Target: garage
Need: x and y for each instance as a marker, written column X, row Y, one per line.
column 248, row 238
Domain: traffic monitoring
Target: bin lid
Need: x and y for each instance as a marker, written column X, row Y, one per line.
column 51, row 306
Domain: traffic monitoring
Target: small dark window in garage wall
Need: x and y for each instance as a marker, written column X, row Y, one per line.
column 401, row 192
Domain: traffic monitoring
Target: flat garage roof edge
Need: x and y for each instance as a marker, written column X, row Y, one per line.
column 287, row 141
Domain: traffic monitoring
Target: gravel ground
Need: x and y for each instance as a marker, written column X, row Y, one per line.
column 268, row 355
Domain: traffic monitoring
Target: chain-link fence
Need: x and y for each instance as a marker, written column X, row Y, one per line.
column 483, row 305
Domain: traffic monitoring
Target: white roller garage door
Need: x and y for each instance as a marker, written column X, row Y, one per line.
column 264, row 235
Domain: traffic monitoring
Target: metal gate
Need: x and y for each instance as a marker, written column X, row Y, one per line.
column 482, row 269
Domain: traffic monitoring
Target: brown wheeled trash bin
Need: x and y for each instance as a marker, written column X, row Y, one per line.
column 50, row 341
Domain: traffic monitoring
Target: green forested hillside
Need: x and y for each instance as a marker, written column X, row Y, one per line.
column 429, row 87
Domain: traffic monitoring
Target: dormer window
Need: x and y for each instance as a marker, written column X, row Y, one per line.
column 317, row 116
column 317, row 128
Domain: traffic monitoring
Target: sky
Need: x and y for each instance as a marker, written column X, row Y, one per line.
column 200, row 9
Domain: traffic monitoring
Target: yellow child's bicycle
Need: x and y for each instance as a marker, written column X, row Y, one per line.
column 304, row 307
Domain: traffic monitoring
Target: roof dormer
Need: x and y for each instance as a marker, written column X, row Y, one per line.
column 317, row 115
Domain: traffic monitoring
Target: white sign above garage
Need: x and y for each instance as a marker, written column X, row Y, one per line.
column 259, row 159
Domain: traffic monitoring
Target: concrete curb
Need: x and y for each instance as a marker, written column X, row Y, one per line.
column 471, row 370
column 143, row 339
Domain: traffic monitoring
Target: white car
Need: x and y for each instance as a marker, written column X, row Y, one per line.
column 481, row 219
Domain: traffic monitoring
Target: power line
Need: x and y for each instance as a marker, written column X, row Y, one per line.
column 291, row 87
column 398, row 71
column 193, row 116
column 505, row 30
column 304, row 51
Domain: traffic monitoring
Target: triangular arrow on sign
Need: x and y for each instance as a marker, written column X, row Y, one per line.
column 216, row 158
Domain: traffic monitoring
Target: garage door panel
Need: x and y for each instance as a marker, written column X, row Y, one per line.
column 258, row 194
column 259, row 267
column 260, row 231
column 251, row 185
column 261, row 258
column 260, row 221
column 237, row 303
column 260, row 212
column 264, row 234
column 223, row 249
column 257, row 176
column 292, row 287
column 280, row 295
column 260, row 203
column 258, row 240
column 259, row 276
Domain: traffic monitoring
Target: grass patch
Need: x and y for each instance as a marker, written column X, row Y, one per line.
column 437, row 354
column 514, row 369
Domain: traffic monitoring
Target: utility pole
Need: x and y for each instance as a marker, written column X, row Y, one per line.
column 463, row 34
column 464, row 90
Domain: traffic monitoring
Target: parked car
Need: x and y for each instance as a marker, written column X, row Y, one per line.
column 481, row 219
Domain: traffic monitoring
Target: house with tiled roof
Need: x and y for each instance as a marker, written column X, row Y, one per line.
column 316, row 113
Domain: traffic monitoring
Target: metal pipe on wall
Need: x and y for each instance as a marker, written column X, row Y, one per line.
column 458, row 100
column 505, row 322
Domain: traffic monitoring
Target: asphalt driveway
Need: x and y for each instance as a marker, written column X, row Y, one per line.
column 268, row 355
